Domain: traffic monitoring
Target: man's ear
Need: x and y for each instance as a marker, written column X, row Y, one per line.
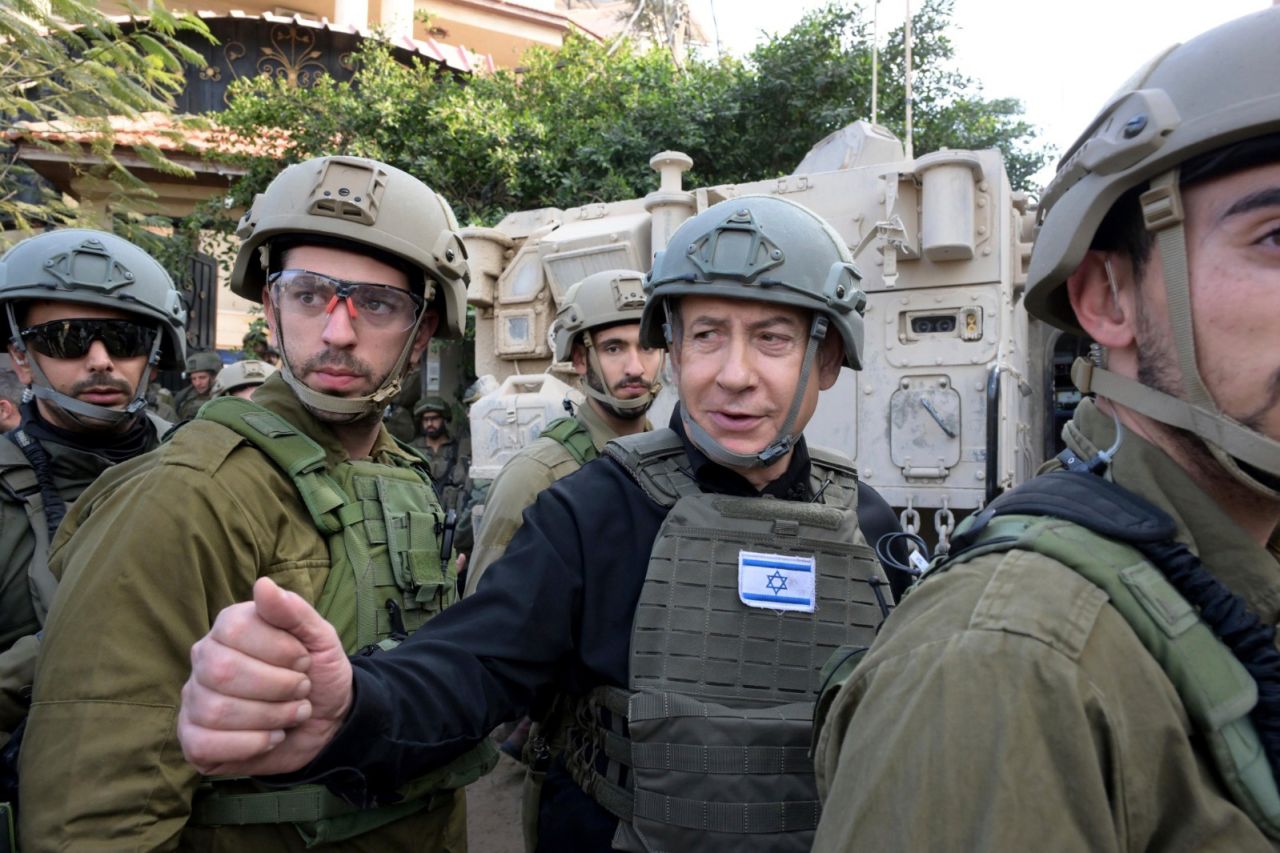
column 20, row 366
column 830, row 358
column 8, row 411
column 1105, row 300
column 427, row 328
column 578, row 356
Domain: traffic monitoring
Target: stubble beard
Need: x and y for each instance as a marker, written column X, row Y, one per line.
column 594, row 381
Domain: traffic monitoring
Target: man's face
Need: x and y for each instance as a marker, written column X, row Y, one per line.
column 629, row 369
column 1233, row 247
column 432, row 424
column 201, row 380
column 96, row 377
column 334, row 352
column 737, row 365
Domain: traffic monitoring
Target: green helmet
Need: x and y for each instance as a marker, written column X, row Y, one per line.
column 206, row 361
column 432, row 404
column 238, row 374
column 1214, row 92
column 602, row 299
column 93, row 268
column 353, row 201
column 761, row 249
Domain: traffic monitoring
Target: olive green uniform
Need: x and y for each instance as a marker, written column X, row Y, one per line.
column 160, row 400
column 448, row 465
column 517, row 485
column 187, row 402
column 147, row 558
column 1015, row 708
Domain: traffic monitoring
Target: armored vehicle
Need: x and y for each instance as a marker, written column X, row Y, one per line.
column 961, row 394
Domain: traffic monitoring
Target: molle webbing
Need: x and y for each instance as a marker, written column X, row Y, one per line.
column 708, row 748
column 24, row 483
column 570, row 434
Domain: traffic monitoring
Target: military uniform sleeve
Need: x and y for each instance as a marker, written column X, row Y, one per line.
column 971, row 728
column 146, row 562
column 513, row 491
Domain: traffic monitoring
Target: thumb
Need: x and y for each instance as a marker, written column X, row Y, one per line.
column 288, row 611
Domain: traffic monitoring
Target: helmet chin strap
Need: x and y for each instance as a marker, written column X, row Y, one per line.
column 1234, row 445
column 350, row 408
column 643, row 402
column 782, row 443
column 86, row 415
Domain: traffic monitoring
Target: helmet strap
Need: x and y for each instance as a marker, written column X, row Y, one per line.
column 86, row 415
column 785, row 439
column 352, row 406
column 644, row 401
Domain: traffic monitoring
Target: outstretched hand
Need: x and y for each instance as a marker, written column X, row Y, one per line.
column 270, row 685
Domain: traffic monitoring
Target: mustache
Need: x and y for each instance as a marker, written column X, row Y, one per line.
column 340, row 359
column 100, row 383
column 636, row 381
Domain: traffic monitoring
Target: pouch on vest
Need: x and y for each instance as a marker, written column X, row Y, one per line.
column 386, row 579
column 708, row 748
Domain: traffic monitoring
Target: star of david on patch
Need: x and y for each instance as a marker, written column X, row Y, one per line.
column 777, row 583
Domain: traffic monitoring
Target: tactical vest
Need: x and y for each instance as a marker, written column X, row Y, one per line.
column 20, row 482
column 382, row 525
column 708, row 748
column 575, row 438
column 1100, row 531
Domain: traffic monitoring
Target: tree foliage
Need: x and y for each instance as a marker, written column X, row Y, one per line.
column 579, row 125
column 64, row 61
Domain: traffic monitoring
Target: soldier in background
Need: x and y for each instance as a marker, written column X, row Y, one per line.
column 202, row 369
column 241, row 378
column 11, row 389
column 449, row 456
column 597, row 327
column 88, row 315
column 1095, row 666
column 160, row 399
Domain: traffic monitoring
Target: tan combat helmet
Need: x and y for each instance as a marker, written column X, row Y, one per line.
column 762, row 249
column 240, row 374
column 93, row 268
column 1216, row 91
column 206, row 361
column 353, row 202
column 600, row 300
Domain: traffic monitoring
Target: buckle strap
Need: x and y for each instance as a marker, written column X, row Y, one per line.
column 213, row 807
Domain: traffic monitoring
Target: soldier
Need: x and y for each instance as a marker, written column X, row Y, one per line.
column 449, row 457
column 10, row 399
column 202, row 369
column 757, row 301
column 1095, row 666
column 597, row 327
column 160, row 399
column 87, row 315
column 241, row 378
column 356, row 264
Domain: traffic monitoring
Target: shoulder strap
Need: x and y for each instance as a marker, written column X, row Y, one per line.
column 294, row 453
column 656, row 461
column 833, row 475
column 570, row 434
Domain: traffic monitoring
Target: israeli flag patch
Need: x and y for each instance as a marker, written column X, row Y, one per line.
column 776, row 581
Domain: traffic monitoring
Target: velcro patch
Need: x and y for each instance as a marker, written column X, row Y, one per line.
column 776, row 581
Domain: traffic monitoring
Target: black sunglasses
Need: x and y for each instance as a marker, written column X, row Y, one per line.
column 72, row 338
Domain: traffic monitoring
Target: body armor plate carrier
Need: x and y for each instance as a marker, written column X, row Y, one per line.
column 707, row 749
column 387, row 577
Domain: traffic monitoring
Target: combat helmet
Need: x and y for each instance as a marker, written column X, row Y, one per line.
column 93, row 268
column 205, row 360
column 354, row 202
column 1213, row 95
column 762, row 249
column 432, row 404
column 238, row 374
column 600, row 300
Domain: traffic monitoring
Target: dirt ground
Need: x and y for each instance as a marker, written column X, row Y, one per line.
column 493, row 809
